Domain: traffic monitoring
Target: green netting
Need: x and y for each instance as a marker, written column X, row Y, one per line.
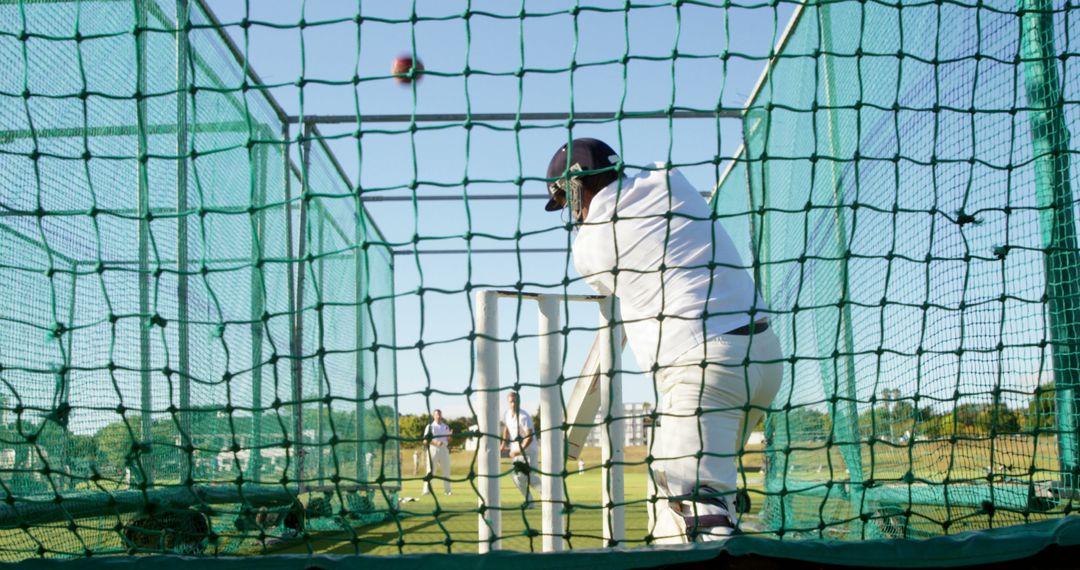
column 171, row 264
column 910, row 190
column 201, row 323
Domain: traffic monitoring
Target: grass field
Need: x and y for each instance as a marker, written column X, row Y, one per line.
column 966, row 458
column 449, row 523
column 439, row 523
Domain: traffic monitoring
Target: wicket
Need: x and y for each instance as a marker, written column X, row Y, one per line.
column 553, row 422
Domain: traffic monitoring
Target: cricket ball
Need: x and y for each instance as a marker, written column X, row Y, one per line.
column 403, row 65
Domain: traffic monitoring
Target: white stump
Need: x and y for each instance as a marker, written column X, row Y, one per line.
column 487, row 386
column 553, row 460
column 612, row 436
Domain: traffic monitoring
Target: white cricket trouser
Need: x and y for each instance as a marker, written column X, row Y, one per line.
column 438, row 464
column 524, row 482
column 721, row 390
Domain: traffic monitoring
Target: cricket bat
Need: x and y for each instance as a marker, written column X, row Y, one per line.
column 585, row 401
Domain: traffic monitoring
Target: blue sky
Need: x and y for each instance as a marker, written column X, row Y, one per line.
column 328, row 53
column 721, row 55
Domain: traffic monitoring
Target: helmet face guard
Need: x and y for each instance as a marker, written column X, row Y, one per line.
column 574, row 190
column 568, row 169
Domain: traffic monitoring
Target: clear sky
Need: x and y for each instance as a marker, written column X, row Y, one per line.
column 621, row 61
column 495, row 44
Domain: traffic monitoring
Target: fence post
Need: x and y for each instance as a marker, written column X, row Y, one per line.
column 146, row 403
column 1050, row 146
column 183, row 357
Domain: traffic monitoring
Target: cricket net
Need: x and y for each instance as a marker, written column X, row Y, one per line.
column 190, row 334
column 200, row 321
column 907, row 193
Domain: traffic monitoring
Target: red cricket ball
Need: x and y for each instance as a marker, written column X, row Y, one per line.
column 401, row 67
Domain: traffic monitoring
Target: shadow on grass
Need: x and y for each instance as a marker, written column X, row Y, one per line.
column 426, row 534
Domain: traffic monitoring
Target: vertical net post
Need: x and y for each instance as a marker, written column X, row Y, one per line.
column 358, row 258
column 840, row 370
column 395, row 427
column 183, row 345
column 258, row 308
column 67, row 480
column 778, row 503
column 146, row 394
column 296, row 307
column 612, row 431
column 487, row 387
column 320, row 380
column 1050, row 142
column 551, row 418
column 290, row 278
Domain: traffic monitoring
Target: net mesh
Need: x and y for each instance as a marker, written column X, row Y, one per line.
column 905, row 216
column 199, row 317
column 172, row 266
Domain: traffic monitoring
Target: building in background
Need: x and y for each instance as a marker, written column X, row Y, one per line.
column 635, row 418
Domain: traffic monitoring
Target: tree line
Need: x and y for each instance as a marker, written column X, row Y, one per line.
column 412, row 427
column 894, row 416
column 32, row 443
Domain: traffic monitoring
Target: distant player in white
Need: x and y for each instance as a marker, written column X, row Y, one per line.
column 519, row 438
column 437, row 438
column 692, row 317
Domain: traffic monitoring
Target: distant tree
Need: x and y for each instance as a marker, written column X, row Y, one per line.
column 460, row 426
column 802, row 423
column 82, row 449
column 922, row 418
column 971, row 418
column 807, row 420
column 537, row 427
column 52, row 438
column 1041, row 410
column 121, row 444
column 411, row 429
column 115, row 439
column 1000, row 419
column 891, row 415
column 941, row 425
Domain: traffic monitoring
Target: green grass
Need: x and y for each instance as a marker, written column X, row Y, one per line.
column 449, row 524
column 438, row 523
column 966, row 458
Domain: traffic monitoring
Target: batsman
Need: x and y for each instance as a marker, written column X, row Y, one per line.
column 692, row 317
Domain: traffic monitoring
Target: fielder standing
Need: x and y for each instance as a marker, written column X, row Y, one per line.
column 692, row 317
column 519, row 438
column 437, row 438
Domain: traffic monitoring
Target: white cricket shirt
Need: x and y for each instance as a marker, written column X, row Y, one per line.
column 519, row 425
column 623, row 255
column 439, row 431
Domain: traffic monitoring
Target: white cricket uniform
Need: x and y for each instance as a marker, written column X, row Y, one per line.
column 519, row 426
column 681, row 288
column 439, row 455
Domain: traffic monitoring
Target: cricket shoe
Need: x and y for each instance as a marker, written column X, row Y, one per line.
column 707, row 516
